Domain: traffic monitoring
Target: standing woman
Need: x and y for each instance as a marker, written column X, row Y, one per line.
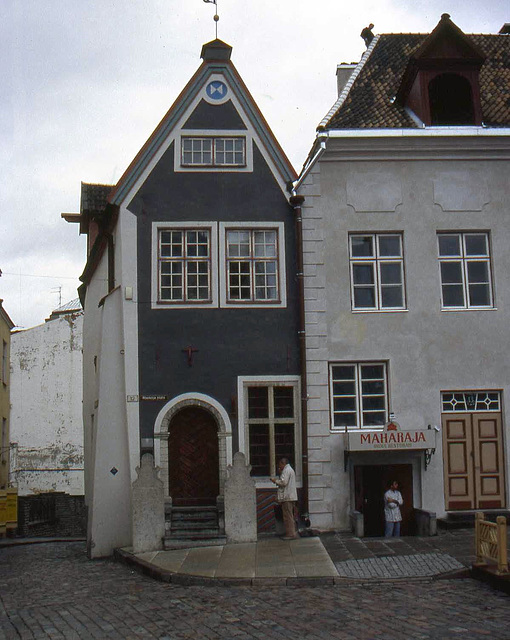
column 392, row 516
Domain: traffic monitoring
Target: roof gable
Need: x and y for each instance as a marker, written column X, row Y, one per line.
column 215, row 82
column 447, row 41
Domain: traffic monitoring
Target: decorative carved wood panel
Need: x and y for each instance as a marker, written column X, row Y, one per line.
column 193, row 459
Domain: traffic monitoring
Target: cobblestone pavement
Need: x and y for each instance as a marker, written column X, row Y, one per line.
column 53, row 591
column 418, row 565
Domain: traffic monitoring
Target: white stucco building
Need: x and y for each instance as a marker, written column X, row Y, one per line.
column 46, row 405
column 407, row 290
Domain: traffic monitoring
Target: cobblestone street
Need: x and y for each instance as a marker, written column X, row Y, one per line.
column 53, row 591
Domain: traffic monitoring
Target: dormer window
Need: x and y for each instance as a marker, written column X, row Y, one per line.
column 441, row 82
column 213, row 151
column 451, row 100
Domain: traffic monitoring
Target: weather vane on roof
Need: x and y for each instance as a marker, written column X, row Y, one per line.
column 216, row 16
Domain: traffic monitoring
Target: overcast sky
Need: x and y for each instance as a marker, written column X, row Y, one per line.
column 85, row 82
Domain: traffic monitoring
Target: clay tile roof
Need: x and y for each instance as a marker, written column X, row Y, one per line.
column 94, row 197
column 369, row 102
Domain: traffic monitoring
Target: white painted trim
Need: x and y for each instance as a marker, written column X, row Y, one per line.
column 156, row 226
column 199, row 397
column 176, row 131
column 214, row 133
column 282, row 280
column 290, row 381
column 428, row 132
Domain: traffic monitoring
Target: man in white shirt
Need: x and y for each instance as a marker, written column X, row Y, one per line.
column 392, row 516
column 287, row 496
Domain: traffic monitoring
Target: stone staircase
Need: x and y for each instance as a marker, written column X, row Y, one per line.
column 193, row 527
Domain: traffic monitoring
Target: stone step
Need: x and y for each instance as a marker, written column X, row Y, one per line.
column 190, row 543
column 193, row 526
column 194, row 517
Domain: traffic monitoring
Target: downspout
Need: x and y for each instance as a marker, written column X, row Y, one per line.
column 296, row 202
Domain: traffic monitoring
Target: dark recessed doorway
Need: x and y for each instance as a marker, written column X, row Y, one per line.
column 371, row 481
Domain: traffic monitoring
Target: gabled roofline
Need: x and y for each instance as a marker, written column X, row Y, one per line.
column 185, row 98
column 345, row 91
column 446, row 24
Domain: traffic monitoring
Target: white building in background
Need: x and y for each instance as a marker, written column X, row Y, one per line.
column 46, row 405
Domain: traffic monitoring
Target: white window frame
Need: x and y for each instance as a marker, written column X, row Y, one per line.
column 243, row 382
column 156, row 303
column 214, row 140
column 246, row 134
column 279, row 227
column 358, row 396
column 465, row 260
column 376, row 261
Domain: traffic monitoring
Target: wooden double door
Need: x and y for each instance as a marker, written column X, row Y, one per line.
column 474, row 473
column 193, row 458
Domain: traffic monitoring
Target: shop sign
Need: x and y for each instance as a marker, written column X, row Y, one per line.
column 390, row 439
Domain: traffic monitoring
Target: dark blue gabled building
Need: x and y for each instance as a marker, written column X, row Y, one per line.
column 191, row 339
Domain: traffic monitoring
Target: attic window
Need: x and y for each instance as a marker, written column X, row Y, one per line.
column 213, row 152
column 451, row 100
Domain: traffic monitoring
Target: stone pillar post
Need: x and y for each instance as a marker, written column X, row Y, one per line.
column 240, row 502
column 148, row 507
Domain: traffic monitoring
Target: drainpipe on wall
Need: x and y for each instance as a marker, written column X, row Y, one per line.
column 296, row 202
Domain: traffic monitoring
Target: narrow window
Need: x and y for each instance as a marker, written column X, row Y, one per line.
column 465, row 270
column 377, row 272
column 271, row 423
column 252, row 265
column 184, row 265
column 5, row 358
column 358, row 395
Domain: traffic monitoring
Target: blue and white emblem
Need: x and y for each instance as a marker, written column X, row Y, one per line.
column 216, row 90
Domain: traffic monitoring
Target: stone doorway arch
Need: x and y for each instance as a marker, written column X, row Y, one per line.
column 162, row 427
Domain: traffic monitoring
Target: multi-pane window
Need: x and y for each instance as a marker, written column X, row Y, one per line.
column 252, row 265
column 216, row 152
column 5, row 362
column 271, row 419
column 184, row 265
column 358, row 395
column 377, row 271
column 464, row 262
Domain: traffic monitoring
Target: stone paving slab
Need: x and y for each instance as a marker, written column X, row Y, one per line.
column 419, row 565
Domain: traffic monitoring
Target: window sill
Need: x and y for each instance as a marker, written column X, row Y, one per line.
column 463, row 310
column 379, row 310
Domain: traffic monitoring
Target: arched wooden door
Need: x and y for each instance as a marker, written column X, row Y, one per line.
column 193, row 460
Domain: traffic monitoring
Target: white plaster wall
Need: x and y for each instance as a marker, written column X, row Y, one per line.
column 109, row 513
column 92, row 324
column 126, row 266
column 46, row 407
column 428, row 350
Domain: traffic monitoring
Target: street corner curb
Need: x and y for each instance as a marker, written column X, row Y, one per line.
column 310, row 581
column 489, row 576
column 454, row 574
column 21, row 542
column 142, row 566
